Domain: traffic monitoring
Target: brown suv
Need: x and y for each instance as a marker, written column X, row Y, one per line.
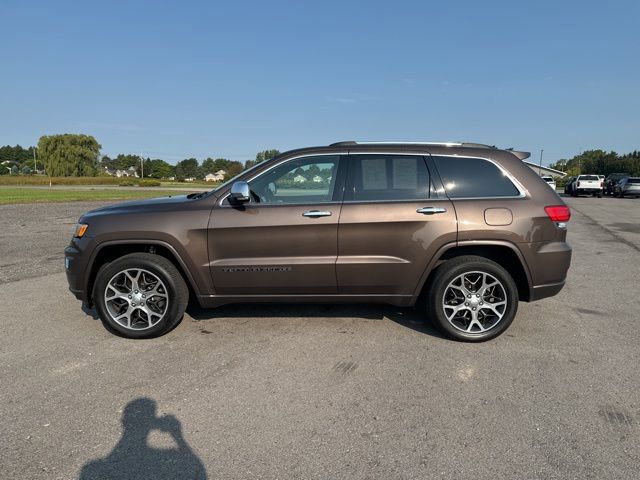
column 468, row 228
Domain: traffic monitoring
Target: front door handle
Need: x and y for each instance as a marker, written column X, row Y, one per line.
column 316, row 213
column 431, row 210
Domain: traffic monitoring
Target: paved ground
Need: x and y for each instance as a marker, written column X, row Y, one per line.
column 322, row 391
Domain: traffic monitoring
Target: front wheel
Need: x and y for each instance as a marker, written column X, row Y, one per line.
column 472, row 298
column 140, row 295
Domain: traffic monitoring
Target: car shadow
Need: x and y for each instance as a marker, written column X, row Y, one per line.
column 408, row 317
column 133, row 457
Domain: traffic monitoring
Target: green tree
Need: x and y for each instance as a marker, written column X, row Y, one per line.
column 157, row 168
column 69, row 154
column 262, row 156
column 187, row 168
column 208, row 166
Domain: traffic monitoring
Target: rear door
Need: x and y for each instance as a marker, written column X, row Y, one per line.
column 284, row 242
column 392, row 223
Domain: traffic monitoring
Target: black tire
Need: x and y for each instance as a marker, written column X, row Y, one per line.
column 175, row 286
column 451, row 269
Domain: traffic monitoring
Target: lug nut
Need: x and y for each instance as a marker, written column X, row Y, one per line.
column 129, row 296
column 466, row 304
column 144, row 296
column 133, row 304
column 469, row 296
column 473, row 308
column 136, row 291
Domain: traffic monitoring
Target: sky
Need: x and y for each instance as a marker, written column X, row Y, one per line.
column 179, row 79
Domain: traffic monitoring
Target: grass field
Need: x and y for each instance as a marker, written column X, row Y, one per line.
column 40, row 195
column 41, row 180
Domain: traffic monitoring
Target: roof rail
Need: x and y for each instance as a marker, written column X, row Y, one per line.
column 441, row 144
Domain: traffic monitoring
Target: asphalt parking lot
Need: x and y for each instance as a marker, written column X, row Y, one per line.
column 322, row 391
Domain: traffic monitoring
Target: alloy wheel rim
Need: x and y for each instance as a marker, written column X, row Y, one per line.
column 474, row 302
column 136, row 299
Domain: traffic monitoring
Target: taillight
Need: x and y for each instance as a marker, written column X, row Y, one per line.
column 578, row 184
column 558, row 213
column 601, row 184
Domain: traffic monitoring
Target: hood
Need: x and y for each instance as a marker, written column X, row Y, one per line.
column 172, row 202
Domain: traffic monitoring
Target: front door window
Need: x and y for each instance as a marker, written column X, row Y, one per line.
column 306, row 180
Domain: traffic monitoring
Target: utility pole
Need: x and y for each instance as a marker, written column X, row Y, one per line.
column 141, row 166
column 540, row 166
column 35, row 165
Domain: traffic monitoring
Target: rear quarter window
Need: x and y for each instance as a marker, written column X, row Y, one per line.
column 467, row 177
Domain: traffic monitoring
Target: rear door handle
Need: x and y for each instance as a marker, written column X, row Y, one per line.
column 431, row 210
column 316, row 213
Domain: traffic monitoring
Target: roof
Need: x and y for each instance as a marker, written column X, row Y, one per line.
column 547, row 170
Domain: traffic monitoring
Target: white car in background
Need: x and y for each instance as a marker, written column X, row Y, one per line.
column 551, row 182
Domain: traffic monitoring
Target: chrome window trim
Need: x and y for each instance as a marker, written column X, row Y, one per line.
column 522, row 192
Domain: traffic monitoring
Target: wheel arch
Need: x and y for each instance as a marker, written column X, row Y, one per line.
column 109, row 251
column 503, row 253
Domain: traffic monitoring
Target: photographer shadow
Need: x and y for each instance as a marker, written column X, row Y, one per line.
column 133, row 457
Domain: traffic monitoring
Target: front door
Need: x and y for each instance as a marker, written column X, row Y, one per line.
column 391, row 225
column 285, row 240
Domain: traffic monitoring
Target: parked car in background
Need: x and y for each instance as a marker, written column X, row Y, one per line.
column 587, row 184
column 568, row 185
column 611, row 181
column 627, row 187
column 469, row 228
column 551, row 182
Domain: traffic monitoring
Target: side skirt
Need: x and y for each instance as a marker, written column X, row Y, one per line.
column 212, row 301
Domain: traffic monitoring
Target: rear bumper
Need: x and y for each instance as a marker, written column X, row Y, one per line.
column 548, row 264
column 588, row 190
column 539, row 292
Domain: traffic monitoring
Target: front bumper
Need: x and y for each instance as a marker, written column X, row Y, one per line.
column 76, row 268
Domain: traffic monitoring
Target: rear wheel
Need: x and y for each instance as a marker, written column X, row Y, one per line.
column 472, row 298
column 140, row 295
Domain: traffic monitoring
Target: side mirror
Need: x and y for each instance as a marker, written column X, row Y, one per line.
column 240, row 192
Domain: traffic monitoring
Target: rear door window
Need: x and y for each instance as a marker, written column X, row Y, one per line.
column 468, row 177
column 380, row 177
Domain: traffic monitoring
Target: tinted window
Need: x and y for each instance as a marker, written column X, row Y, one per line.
column 633, row 181
column 588, row 177
column 302, row 180
column 387, row 177
column 473, row 177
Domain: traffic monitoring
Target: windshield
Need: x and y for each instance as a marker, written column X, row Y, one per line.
column 547, row 179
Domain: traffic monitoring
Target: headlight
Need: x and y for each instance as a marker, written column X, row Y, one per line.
column 81, row 229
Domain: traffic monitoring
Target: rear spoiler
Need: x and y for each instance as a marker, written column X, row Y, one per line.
column 520, row 155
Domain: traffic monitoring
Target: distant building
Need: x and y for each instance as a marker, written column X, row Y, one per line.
column 129, row 172
column 317, row 179
column 299, row 179
column 215, row 177
column 542, row 170
column 189, row 179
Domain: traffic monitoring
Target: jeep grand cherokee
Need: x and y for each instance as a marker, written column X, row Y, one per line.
column 468, row 228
